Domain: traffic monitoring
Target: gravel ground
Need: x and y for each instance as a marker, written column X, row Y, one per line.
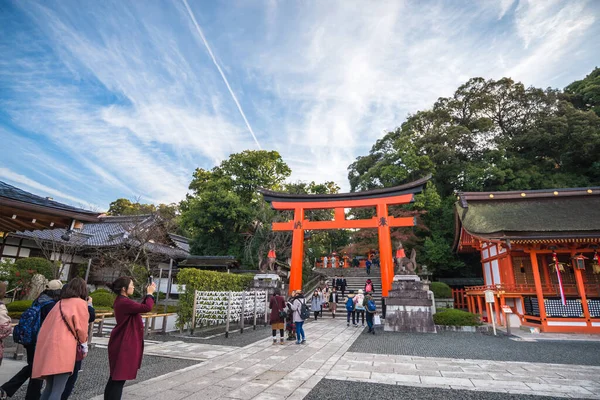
column 94, row 374
column 348, row 390
column 479, row 347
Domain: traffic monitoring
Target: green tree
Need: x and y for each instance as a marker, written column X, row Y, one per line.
column 224, row 207
column 490, row 135
column 585, row 94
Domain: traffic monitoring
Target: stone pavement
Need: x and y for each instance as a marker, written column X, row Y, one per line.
column 178, row 349
column 265, row 371
column 260, row 370
column 573, row 381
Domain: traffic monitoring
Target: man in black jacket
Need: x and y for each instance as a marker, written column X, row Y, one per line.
column 342, row 284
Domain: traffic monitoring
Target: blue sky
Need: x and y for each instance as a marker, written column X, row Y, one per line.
column 101, row 99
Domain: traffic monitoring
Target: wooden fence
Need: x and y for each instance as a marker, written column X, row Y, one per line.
column 460, row 299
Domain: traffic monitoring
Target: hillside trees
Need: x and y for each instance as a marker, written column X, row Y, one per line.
column 490, row 135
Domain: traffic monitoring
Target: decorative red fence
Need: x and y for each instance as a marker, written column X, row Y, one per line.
column 460, row 298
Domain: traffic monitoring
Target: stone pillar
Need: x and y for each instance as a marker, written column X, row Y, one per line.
column 408, row 306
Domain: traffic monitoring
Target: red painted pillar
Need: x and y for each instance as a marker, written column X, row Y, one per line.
column 297, row 251
column 385, row 249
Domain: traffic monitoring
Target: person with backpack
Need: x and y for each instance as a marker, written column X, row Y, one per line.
column 368, row 265
column 350, row 309
column 126, row 343
column 371, row 311
column 26, row 333
column 5, row 328
column 301, row 313
column 359, row 306
column 62, row 339
column 278, row 314
column 369, row 287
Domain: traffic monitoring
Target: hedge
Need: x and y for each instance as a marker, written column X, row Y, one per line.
column 103, row 299
column 195, row 279
column 454, row 317
column 441, row 290
column 19, row 305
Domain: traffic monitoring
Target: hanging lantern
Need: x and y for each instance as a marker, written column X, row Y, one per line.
column 580, row 261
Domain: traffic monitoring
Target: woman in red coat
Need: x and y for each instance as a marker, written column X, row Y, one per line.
column 277, row 305
column 126, row 344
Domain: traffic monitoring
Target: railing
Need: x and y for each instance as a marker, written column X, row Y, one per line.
column 592, row 290
column 460, row 298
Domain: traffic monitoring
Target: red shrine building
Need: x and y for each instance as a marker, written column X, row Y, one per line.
column 539, row 254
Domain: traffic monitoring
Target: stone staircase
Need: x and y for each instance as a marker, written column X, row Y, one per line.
column 356, row 279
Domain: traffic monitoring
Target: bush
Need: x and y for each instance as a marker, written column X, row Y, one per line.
column 103, row 299
column 101, row 290
column 19, row 305
column 455, row 317
column 441, row 290
column 195, row 279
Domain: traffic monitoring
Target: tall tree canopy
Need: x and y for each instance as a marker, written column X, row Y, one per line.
column 491, row 135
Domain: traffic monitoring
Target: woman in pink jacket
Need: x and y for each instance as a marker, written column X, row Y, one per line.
column 65, row 327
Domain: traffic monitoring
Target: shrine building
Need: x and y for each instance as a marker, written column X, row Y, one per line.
column 539, row 255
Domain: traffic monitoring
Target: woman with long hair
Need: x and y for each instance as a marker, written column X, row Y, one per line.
column 62, row 336
column 126, row 344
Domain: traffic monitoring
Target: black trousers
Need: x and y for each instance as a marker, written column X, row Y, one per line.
column 360, row 314
column 113, row 390
column 34, row 388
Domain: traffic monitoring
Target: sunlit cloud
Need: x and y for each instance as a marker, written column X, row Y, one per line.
column 131, row 97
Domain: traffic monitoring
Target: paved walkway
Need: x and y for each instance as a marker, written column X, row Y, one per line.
column 261, row 370
column 265, row 371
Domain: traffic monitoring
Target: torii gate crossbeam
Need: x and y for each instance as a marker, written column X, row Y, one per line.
column 381, row 199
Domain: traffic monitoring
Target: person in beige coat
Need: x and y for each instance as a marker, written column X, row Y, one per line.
column 65, row 327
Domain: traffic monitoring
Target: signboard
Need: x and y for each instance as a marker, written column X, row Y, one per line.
column 489, row 296
column 507, row 309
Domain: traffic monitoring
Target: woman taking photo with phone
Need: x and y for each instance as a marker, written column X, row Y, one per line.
column 126, row 344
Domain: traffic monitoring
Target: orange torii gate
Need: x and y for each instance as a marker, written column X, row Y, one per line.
column 379, row 198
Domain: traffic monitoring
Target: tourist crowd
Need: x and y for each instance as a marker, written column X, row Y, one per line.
column 54, row 333
column 292, row 313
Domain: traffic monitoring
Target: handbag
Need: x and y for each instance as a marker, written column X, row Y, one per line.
column 376, row 320
column 282, row 313
column 79, row 354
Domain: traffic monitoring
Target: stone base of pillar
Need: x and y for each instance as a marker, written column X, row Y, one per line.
column 408, row 306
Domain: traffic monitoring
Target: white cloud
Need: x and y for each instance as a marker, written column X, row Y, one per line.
column 126, row 92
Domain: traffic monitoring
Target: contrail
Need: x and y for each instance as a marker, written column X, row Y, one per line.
column 237, row 103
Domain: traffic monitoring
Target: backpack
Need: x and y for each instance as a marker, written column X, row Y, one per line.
column 369, row 287
column 350, row 304
column 304, row 311
column 371, row 306
column 360, row 301
column 29, row 324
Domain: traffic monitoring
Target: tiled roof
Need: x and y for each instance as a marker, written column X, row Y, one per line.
column 14, row 193
column 112, row 231
column 576, row 213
